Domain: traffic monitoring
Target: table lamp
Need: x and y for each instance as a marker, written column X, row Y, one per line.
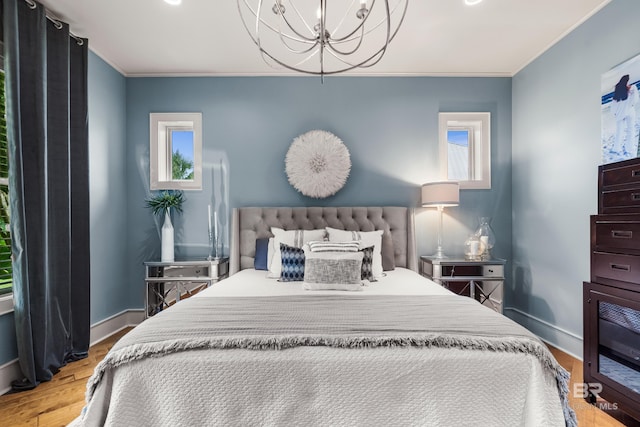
column 440, row 195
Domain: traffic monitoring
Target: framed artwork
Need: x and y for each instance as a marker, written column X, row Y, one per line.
column 620, row 106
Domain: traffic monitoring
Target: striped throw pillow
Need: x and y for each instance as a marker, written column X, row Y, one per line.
column 325, row 246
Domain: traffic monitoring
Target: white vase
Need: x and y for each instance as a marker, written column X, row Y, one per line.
column 166, row 254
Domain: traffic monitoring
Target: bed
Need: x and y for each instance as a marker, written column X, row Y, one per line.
column 255, row 351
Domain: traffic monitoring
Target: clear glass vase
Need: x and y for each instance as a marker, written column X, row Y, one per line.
column 486, row 236
column 472, row 248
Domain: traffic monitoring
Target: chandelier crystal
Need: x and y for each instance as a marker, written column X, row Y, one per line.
column 314, row 38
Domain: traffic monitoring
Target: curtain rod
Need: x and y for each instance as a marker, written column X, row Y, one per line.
column 56, row 22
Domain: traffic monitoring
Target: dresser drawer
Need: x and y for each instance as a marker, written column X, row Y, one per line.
column 493, row 271
column 623, row 200
column 625, row 268
column 620, row 174
column 616, row 235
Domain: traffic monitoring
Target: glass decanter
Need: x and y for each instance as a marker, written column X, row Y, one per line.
column 486, row 236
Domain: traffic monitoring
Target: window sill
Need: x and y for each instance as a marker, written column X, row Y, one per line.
column 6, row 304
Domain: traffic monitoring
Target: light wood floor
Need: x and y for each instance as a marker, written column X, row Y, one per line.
column 588, row 415
column 59, row 401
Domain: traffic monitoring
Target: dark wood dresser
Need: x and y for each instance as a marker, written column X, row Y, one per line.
column 611, row 304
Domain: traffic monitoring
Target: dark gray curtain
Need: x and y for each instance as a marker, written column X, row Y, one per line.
column 46, row 79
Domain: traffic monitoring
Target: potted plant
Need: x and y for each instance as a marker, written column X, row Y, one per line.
column 161, row 204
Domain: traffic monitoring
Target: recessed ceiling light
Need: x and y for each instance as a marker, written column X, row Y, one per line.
column 467, row 2
column 173, row 2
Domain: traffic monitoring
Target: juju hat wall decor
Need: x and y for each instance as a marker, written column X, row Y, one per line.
column 317, row 164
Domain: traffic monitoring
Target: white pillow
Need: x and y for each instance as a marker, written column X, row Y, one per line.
column 366, row 239
column 295, row 238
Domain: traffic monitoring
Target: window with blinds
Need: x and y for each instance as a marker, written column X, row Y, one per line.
column 6, row 279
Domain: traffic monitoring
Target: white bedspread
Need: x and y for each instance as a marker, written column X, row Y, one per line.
column 325, row 386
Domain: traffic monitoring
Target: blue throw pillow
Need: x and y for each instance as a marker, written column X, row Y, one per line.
column 292, row 264
column 260, row 259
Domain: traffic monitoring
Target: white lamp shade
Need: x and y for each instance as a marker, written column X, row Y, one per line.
column 441, row 194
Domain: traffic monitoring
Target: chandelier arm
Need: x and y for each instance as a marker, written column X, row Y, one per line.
column 326, row 73
column 372, row 59
column 346, row 13
column 264, row 55
column 313, row 44
column 362, row 23
column 308, row 39
column 349, row 37
column 386, row 44
column 311, row 55
column 376, row 57
column 404, row 13
column 347, row 52
column 244, row 23
column 295, row 67
column 264, row 23
column 295, row 9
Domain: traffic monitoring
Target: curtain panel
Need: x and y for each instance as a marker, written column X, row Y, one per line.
column 46, row 85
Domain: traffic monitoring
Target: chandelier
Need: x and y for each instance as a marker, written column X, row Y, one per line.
column 322, row 40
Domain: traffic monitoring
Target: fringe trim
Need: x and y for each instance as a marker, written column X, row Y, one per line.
column 509, row 345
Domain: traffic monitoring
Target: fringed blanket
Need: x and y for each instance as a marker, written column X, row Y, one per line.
column 355, row 322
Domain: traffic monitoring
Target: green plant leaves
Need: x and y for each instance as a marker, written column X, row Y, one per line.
column 164, row 201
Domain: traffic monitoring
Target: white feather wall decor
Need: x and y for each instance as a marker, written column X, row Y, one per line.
column 317, row 164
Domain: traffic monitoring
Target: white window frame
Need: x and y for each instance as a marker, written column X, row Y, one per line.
column 479, row 125
column 6, row 304
column 160, row 150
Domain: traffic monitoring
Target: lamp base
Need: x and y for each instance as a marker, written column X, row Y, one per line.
column 439, row 254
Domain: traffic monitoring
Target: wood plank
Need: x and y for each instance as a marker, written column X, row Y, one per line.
column 61, row 416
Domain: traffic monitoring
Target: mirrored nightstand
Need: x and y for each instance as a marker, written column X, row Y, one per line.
column 480, row 280
column 167, row 282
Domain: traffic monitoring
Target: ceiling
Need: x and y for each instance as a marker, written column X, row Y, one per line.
column 206, row 37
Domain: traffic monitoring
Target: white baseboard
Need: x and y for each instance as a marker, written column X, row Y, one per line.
column 560, row 338
column 10, row 371
column 109, row 326
column 99, row 331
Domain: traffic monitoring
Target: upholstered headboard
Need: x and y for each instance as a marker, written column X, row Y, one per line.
column 249, row 224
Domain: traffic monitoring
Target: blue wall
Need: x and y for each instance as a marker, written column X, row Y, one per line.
column 108, row 189
column 389, row 125
column 556, row 152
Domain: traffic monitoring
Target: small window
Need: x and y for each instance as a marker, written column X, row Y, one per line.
column 465, row 149
column 176, row 151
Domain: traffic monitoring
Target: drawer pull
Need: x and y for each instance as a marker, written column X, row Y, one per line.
column 620, row 267
column 621, row 234
column 635, row 196
column 635, row 172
